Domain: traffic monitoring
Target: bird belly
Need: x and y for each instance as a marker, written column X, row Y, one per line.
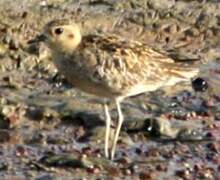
column 141, row 88
column 92, row 87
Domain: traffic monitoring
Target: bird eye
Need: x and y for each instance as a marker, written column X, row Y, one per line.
column 58, row 31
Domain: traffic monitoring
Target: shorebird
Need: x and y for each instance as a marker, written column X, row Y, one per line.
column 110, row 66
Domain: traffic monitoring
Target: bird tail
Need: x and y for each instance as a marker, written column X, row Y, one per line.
column 184, row 72
column 181, row 72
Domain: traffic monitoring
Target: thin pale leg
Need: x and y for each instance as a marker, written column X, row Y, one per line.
column 120, row 121
column 107, row 131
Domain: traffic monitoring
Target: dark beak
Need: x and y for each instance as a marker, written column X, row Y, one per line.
column 37, row 39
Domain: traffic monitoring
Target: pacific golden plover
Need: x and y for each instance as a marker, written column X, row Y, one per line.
column 110, row 66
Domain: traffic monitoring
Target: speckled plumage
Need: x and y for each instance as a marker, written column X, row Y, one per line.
column 111, row 66
column 117, row 65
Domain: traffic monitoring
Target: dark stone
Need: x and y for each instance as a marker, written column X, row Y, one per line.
column 4, row 136
column 35, row 113
column 199, row 85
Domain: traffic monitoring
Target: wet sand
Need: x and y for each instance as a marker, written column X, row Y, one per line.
column 50, row 130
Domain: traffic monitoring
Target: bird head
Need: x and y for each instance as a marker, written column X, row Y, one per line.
column 61, row 35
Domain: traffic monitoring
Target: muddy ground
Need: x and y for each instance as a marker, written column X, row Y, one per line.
column 50, row 130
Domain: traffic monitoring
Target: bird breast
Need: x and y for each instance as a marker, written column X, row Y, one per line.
column 86, row 74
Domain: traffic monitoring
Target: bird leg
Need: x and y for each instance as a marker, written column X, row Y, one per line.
column 120, row 121
column 107, row 131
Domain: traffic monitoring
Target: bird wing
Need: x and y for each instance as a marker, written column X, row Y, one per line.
column 122, row 63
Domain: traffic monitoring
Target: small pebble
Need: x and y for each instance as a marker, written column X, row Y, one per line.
column 134, row 168
column 197, row 167
column 6, row 78
column 218, row 168
column 123, row 160
column 210, row 135
column 161, row 167
column 3, row 166
column 35, row 113
column 183, row 173
column 146, row 176
column 199, row 84
column 21, row 151
column 138, row 151
column 4, row 136
column 213, row 147
column 87, row 151
column 127, row 172
column 93, row 170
